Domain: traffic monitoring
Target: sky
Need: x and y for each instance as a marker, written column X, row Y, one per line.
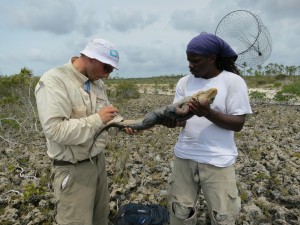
column 151, row 36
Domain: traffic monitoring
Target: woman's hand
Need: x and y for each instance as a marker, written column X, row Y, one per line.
column 199, row 109
column 130, row 131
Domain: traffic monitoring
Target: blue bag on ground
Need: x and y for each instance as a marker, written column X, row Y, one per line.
column 142, row 214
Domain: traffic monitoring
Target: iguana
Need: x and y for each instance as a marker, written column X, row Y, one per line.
column 178, row 110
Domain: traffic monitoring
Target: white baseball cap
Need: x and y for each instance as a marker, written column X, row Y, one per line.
column 102, row 50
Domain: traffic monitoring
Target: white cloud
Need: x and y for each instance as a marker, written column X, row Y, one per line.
column 123, row 21
column 190, row 20
column 53, row 16
column 151, row 35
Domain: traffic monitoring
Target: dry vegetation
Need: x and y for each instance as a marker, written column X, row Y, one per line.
column 138, row 166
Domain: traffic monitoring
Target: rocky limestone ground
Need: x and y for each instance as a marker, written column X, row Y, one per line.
column 139, row 166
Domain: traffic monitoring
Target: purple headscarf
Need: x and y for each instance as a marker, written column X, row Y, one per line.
column 208, row 44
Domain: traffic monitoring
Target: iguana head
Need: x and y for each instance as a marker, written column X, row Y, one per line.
column 206, row 96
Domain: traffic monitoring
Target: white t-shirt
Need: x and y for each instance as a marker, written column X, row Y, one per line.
column 201, row 140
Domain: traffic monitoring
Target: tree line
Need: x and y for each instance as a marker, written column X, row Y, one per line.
column 271, row 69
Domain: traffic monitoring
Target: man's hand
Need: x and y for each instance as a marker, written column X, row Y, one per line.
column 199, row 109
column 107, row 113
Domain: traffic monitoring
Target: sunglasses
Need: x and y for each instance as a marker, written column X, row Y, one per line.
column 108, row 68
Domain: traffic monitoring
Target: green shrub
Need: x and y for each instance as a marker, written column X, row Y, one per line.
column 243, row 196
column 293, row 88
column 9, row 123
column 261, row 82
column 281, row 77
column 9, row 99
column 126, row 91
column 296, row 154
column 277, row 85
column 31, row 190
column 17, row 83
column 281, row 96
column 258, row 96
column 261, row 176
column 288, row 92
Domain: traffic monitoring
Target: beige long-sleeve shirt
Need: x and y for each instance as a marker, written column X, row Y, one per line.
column 68, row 114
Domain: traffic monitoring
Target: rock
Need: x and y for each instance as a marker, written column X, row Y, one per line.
column 267, row 168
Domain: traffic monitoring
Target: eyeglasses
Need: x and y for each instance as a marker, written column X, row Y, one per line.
column 108, row 68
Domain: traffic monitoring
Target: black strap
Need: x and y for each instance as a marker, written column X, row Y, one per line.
column 66, row 163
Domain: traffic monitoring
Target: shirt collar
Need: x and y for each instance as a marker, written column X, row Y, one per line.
column 77, row 74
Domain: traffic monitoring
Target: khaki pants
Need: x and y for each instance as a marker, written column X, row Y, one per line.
column 81, row 193
column 218, row 186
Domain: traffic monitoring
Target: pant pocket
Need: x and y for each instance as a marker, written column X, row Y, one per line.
column 61, row 179
column 234, row 202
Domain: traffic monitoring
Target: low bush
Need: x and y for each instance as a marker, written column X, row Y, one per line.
column 124, row 91
column 258, row 96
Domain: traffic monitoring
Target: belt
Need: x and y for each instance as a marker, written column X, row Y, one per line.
column 66, row 163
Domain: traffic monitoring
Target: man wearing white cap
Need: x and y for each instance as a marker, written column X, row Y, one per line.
column 73, row 105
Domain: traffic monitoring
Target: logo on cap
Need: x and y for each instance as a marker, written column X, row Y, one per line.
column 114, row 53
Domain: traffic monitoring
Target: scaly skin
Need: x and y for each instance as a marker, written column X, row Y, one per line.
column 179, row 111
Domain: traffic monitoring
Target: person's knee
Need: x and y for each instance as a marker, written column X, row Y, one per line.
column 181, row 211
column 223, row 218
column 218, row 217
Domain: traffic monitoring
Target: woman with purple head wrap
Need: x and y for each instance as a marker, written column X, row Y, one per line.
column 209, row 44
column 205, row 152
